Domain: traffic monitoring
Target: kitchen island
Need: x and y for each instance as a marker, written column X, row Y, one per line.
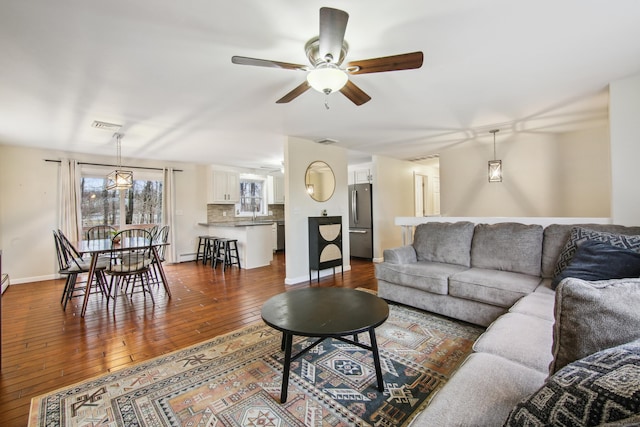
column 255, row 240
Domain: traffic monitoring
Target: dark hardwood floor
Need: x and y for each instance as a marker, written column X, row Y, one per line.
column 45, row 348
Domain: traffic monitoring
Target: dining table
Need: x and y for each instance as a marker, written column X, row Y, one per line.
column 98, row 247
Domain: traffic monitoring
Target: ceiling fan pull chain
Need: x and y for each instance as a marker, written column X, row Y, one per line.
column 326, row 102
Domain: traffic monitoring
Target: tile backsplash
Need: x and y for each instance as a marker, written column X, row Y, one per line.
column 216, row 213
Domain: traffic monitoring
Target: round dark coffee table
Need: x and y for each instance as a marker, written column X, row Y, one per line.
column 325, row 313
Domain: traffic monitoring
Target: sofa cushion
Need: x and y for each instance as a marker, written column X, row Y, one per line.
column 545, row 288
column 444, row 242
column 592, row 316
column 501, row 288
column 536, row 304
column 600, row 388
column 520, row 338
column 579, row 235
column 556, row 235
column 595, row 260
column 426, row 276
column 482, row 392
column 507, row 246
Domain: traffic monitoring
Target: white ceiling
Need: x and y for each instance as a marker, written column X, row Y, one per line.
column 162, row 69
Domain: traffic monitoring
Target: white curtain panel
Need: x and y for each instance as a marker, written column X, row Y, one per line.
column 70, row 215
column 168, row 213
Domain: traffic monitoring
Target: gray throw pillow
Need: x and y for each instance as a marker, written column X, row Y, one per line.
column 595, row 260
column 444, row 242
column 598, row 389
column 579, row 235
column 592, row 316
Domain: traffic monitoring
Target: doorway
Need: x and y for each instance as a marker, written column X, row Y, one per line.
column 427, row 194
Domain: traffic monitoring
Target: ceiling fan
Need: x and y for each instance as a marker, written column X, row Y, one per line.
column 326, row 53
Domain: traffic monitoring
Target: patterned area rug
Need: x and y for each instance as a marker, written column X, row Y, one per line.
column 234, row 380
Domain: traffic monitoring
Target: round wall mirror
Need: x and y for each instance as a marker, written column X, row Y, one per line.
column 320, row 181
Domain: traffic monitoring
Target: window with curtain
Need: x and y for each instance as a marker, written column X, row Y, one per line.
column 138, row 205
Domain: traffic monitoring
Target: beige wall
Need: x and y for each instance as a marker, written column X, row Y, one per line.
column 624, row 113
column 29, row 208
column 298, row 154
column 393, row 195
column 548, row 175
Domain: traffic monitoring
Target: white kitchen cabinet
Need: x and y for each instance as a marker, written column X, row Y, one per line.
column 225, row 187
column 276, row 190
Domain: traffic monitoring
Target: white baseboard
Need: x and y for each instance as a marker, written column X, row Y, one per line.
column 22, row 280
column 187, row 257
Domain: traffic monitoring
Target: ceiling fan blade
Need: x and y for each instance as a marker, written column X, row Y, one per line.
column 333, row 24
column 354, row 93
column 405, row 61
column 243, row 60
column 304, row 86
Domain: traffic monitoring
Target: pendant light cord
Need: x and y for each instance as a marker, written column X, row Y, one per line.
column 494, row 146
column 494, row 131
column 118, row 149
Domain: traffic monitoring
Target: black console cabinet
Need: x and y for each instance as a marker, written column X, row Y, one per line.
column 325, row 243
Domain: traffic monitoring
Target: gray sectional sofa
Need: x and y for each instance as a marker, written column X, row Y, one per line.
column 502, row 276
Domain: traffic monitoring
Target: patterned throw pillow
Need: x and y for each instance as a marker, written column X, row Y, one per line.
column 579, row 235
column 595, row 260
column 601, row 388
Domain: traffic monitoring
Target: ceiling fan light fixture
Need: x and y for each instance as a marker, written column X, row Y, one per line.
column 327, row 78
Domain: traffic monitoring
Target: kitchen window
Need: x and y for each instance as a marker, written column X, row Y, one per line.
column 138, row 205
column 253, row 190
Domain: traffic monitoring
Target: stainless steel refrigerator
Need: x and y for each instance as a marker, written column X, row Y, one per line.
column 360, row 221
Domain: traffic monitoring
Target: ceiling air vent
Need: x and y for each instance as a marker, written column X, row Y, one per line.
column 327, row 141
column 105, row 126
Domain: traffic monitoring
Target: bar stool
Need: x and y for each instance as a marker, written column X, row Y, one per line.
column 211, row 249
column 205, row 248
column 226, row 252
column 201, row 253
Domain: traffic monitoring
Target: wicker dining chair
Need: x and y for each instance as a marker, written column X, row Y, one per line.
column 100, row 232
column 162, row 236
column 70, row 264
column 130, row 267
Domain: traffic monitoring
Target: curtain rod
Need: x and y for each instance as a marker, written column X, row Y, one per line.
column 114, row 166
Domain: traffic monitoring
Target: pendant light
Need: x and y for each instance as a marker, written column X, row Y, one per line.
column 119, row 179
column 495, row 166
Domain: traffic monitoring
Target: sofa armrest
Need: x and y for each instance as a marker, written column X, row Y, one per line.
column 401, row 255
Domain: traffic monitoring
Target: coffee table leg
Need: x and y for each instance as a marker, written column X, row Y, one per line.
column 288, row 338
column 376, row 358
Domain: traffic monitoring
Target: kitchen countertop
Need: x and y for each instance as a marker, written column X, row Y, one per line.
column 246, row 223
